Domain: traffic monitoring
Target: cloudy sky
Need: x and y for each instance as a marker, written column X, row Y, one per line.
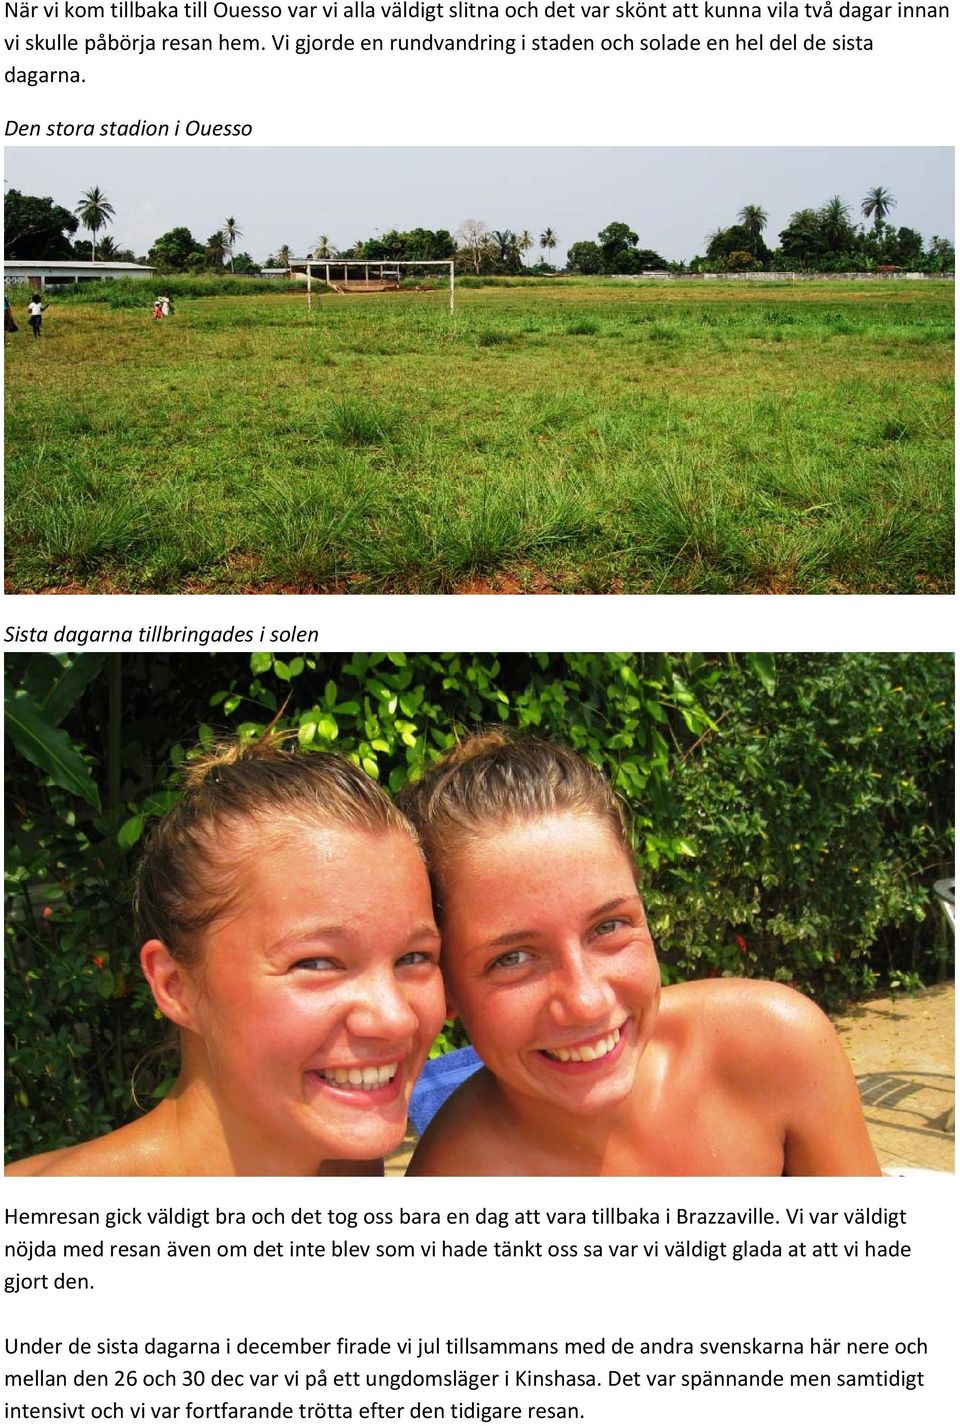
column 672, row 197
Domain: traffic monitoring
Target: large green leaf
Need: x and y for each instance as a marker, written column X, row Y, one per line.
column 46, row 746
column 762, row 667
column 57, row 684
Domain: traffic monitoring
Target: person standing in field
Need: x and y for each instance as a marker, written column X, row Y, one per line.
column 9, row 325
column 35, row 311
column 166, row 307
column 157, row 308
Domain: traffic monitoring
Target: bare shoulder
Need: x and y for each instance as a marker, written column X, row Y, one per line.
column 37, row 1165
column 748, row 1024
column 773, row 1049
column 462, row 1139
column 134, row 1151
column 90, row 1160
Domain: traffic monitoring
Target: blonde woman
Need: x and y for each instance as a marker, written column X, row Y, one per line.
column 589, row 1067
column 284, row 913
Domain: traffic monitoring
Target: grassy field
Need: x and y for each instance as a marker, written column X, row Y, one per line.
column 571, row 437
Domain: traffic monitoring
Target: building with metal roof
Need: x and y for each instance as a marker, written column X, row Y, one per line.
column 39, row 274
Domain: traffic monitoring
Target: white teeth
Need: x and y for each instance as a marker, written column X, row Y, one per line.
column 586, row 1053
column 369, row 1077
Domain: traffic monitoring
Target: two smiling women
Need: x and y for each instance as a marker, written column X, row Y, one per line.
column 287, row 928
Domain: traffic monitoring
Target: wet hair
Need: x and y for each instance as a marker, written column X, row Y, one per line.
column 237, row 799
column 493, row 779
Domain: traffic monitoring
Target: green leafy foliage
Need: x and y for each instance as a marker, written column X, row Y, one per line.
column 820, row 820
column 46, row 746
column 789, row 815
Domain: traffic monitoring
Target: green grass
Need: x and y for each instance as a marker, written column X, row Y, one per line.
column 572, row 436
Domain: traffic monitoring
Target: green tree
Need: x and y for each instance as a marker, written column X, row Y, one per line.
column 94, row 212
column 322, row 248
column 877, row 204
column 283, row 256
column 417, row 245
column 821, row 816
column 110, row 252
column 614, row 242
column 906, row 248
column 725, row 241
column 173, row 250
column 801, row 241
column 821, row 238
column 231, row 232
column 585, row 258
column 216, row 249
column 754, row 219
column 36, row 227
column 838, row 232
column 941, row 255
column 548, row 240
column 741, row 262
column 507, row 257
column 525, row 242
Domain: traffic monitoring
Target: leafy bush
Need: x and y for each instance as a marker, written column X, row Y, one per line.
column 789, row 817
column 821, row 818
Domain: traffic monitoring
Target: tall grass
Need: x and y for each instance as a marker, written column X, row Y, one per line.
column 571, row 437
column 135, row 292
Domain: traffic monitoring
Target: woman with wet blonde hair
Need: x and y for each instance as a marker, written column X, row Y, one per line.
column 284, row 914
column 548, row 960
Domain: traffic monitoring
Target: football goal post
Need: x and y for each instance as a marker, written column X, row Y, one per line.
column 358, row 276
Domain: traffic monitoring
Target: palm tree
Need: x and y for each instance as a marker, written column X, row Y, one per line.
column 323, row 248
column 525, row 241
column 231, row 232
column 94, row 213
column 283, row 255
column 754, row 219
column 877, row 205
column 217, row 248
column 108, row 249
column 508, row 249
column 548, row 240
column 835, row 221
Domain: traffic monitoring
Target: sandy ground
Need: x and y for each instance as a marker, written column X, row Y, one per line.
column 902, row 1052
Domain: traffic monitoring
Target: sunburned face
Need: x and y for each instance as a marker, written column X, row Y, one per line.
column 317, row 1000
column 549, row 962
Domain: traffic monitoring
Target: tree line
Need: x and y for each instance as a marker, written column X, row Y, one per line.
column 825, row 239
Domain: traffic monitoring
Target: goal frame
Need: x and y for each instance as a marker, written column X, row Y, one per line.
column 372, row 268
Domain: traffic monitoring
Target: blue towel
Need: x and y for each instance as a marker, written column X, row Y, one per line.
column 438, row 1079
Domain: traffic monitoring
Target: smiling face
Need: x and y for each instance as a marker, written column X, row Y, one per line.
column 315, row 1001
column 549, row 962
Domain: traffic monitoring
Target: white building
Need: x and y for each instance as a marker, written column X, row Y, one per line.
column 38, row 275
